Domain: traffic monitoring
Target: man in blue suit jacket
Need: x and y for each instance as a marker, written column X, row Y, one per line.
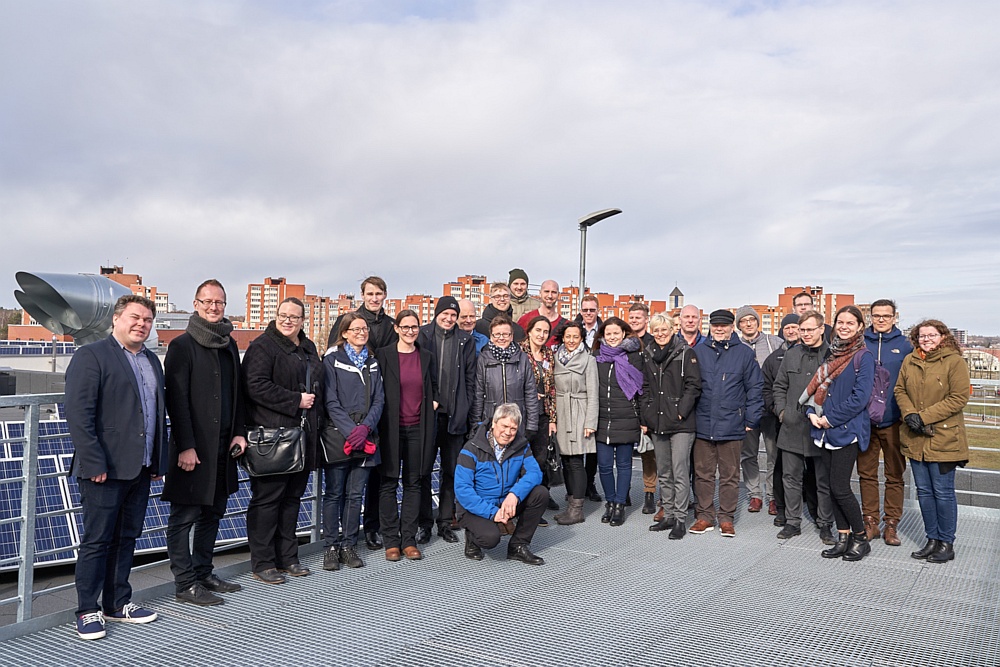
column 117, row 421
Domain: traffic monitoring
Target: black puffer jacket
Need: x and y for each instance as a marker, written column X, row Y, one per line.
column 618, row 417
column 274, row 376
column 667, row 406
column 510, row 382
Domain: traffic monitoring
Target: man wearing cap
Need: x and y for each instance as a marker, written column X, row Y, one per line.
column 519, row 299
column 730, row 406
column 763, row 345
column 775, row 489
column 549, row 308
column 454, row 354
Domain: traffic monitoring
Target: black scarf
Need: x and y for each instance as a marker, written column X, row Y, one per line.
column 502, row 354
column 207, row 334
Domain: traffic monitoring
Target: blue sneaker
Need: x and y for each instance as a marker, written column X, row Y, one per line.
column 90, row 625
column 132, row 613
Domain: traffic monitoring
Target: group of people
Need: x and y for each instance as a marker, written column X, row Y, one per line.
column 504, row 400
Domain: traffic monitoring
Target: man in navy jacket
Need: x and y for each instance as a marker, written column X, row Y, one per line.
column 730, row 406
column 889, row 346
column 117, row 421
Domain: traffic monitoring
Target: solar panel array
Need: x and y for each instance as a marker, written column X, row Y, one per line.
column 57, row 537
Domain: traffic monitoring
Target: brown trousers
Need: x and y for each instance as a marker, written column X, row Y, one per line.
column 886, row 441
column 648, row 471
column 710, row 457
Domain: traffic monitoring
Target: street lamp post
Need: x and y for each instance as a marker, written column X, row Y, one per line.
column 586, row 222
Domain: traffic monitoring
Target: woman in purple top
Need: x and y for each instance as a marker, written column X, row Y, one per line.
column 406, row 433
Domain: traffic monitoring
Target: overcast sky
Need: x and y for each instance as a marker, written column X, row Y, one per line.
column 751, row 145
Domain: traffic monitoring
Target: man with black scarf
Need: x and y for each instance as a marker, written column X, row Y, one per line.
column 454, row 353
column 202, row 375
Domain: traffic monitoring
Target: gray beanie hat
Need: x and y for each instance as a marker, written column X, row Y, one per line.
column 746, row 311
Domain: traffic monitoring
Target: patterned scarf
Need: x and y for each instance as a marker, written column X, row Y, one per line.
column 565, row 355
column 502, row 354
column 841, row 353
column 629, row 377
column 357, row 358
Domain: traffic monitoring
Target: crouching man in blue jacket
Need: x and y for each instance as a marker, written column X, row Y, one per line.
column 497, row 479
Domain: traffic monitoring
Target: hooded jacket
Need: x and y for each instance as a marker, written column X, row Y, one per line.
column 890, row 349
column 668, row 406
column 937, row 389
column 482, row 482
column 731, row 390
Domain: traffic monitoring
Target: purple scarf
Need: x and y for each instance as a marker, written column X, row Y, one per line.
column 629, row 377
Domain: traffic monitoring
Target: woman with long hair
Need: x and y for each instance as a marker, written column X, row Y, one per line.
column 932, row 391
column 620, row 381
column 406, row 435
column 543, row 364
column 576, row 388
column 836, row 402
column 354, row 401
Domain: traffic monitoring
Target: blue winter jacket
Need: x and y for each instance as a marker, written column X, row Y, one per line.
column 890, row 349
column 732, row 386
column 846, row 405
column 350, row 394
column 482, row 482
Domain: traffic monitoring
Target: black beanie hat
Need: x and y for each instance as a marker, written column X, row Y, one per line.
column 445, row 303
column 517, row 273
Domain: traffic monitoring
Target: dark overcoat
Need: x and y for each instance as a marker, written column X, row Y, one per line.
column 388, row 426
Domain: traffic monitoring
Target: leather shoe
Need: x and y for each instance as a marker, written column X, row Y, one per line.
column 772, row 507
column 522, row 553
column 199, row 595
column 296, row 570
column 789, row 531
column 826, row 535
column 628, row 499
column 412, row 553
column 928, row 549
column 606, row 517
column 780, row 520
column 216, row 585
column 756, row 504
column 677, row 532
column 871, row 527
column 889, row 534
column 838, row 549
column 659, row 514
column 269, row 576
column 617, row 515
column 472, row 550
column 648, row 503
column 393, row 554
column 592, row 495
column 448, row 535
column 859, row 547
column 553, row 505
column 701, row 526
column 423, row 535
column 663, row 524
column 942, row 554
column 373, row 540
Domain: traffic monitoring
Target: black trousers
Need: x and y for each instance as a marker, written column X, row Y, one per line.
column 590, row 466
column 371, row 504
column 485, row 533
column 399, row 522
column 838, row 464
column 576, row 476
column 272, row 516
column 448, row 445
column 191, row 560
column 777, row 485
column 540, row 446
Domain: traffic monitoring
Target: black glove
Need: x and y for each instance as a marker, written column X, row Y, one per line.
column 915, row 423
column 530, row 435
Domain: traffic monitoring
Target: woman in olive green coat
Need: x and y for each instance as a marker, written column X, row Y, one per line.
column 932, row 390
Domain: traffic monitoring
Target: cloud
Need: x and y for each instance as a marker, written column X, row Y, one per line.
column 750, row 145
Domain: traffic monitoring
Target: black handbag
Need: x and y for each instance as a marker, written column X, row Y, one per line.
column 277, row 451
column 553, row 463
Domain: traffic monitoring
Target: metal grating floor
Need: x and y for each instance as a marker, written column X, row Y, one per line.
column 606, row 596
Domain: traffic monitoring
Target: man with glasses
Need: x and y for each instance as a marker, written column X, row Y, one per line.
column 890, row 347
column 589, row 319
column 549, row 293
column 454, row 354
column 802, row 303
column 520, row 302
column 202, row 372
column 499, row 303
column 381, row 333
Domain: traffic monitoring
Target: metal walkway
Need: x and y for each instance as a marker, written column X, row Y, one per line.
column 606, row 596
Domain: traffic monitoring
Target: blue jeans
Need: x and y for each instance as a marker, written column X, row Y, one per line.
column 113, row 514
column 936, row 495
column 342, row 490
column 610, row 457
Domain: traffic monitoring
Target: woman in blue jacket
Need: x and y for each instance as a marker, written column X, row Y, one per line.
column 836, row 402
column 354, row 402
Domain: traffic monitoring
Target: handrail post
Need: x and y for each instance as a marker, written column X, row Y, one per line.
column 29, row 492
column 317, row 506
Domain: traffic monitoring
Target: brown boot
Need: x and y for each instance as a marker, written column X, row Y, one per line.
column 889, row 534
column 871, row 527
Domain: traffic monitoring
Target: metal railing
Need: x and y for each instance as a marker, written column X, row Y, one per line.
column 26, row 519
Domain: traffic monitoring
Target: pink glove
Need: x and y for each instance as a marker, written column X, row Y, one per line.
column 356, row 438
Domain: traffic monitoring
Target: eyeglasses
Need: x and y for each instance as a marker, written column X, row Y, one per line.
column 500, row 297
column 882, row 317
column 358, row 330
column 406, row 329
column 588, row 310
column 807, row 330
column 211, row 303
column 501, row 336
column 748, row 318
column 288, row 318
column 932, row 336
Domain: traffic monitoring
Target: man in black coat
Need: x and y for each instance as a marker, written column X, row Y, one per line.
column 206, row 421
column 454, row 354
column 499, row 303
column 117, row 421
column 381, row 333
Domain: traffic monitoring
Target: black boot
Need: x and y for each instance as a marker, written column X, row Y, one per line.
column 618, row 514
column 859, row 548
column 592, row 495
column 607, row 512
column 942, row 554
column 838, row 549
column 649, row 504
column 928, row 549
column 628, row 499
column 664, row 524
column 472, row 550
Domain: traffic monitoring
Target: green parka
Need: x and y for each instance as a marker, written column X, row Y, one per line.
column 937, row 389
